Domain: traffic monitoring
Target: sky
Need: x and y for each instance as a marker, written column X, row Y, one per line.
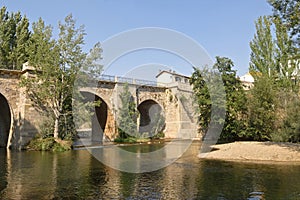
column 222, row 27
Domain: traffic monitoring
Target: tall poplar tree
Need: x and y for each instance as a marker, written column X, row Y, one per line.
column 273, row 63
column 14, row 39
column 262, row 57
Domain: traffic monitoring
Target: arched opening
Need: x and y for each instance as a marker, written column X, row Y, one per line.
column 98, row 114
column 151, row 119
column 5, row 121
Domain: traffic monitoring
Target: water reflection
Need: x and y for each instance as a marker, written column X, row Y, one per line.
column 3, row 169
column 141, row 158
column 78, row 175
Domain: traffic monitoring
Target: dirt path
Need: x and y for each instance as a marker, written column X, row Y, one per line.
column 255, row 151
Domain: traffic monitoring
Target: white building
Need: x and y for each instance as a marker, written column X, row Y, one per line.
column 166, row 77
column 247, row 81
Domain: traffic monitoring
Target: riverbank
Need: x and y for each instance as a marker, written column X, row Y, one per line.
column 255, row 151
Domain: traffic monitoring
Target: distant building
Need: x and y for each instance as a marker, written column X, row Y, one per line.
column 247, row 81
column 171, row 78
column 166, row 77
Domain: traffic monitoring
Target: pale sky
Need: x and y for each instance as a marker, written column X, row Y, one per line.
column 221, row 27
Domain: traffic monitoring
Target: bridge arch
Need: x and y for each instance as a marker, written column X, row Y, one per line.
column 5, row 121
column 99, row 116
column 152, row 117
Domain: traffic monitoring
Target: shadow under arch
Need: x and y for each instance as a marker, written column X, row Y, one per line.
column 98, row 116
column 5, row 121
column 151, row 119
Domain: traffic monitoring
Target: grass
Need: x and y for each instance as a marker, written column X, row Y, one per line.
column 49, row 144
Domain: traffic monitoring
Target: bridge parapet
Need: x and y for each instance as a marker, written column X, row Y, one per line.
column 179, row 86
column 133, row 81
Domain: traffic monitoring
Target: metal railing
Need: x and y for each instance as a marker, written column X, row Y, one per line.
column 145, row 82
column 119, row 79
column 125, row 80
column 104, row 77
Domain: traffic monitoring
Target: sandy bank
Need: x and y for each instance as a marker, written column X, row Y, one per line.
column 255, row 151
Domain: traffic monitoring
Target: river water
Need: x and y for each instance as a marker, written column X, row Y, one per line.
column 78, row 175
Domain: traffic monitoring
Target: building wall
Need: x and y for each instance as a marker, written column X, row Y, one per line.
column 164, row 78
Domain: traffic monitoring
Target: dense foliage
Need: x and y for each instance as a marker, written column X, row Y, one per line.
column 289, row 12
column 127, row 115
column 274, row 62
column 234, row 124
column 269, row 111
column 14, row 39
column 56, row 64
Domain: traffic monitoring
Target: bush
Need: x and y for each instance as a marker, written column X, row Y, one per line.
column 159, row 135
column 49, row 144
column 46, row 128
column 125, row 140
column 280, row 137
column 290, row 128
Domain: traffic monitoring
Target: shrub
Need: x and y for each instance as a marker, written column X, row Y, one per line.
column 49, row 144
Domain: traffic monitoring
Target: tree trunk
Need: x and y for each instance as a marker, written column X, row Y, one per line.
column 55, row 133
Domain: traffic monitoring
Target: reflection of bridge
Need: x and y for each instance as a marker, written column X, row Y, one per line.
column 19, row 121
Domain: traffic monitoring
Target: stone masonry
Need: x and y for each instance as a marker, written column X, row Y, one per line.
column 175, row 100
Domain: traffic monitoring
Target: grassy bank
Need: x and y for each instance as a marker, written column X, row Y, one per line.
column 49, row 144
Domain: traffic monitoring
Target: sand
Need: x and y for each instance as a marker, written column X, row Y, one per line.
column 255, row 151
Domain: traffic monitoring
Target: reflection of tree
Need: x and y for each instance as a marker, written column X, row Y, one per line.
column 226, row 180
column 128, row 183
column 237, row 180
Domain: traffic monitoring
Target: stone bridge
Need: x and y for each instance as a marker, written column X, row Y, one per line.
column 19, row 120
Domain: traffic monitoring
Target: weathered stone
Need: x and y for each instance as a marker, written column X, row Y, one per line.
column 24, row 116
column 178, row 113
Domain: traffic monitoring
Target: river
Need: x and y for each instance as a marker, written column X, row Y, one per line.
column 78, row 175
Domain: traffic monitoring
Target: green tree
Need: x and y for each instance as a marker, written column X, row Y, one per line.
column 289, row 12
column 20, row 50
column 261, row 109
column 290, row 129
column 266, row 69
column 71, row 60
column 274, row 66
column 285, row 56
column 234, row 101
column 5, row 38
column 127, row 115
column 14, row 39
column 262, row 57
column 44, row 55
column 202, row 97
column 234, row 125
column 57, row 63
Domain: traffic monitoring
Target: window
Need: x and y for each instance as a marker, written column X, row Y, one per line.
column 177, row 79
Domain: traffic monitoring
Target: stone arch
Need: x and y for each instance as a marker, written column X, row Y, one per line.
column 99, row 116
column 152, row 117
column 5, row 121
